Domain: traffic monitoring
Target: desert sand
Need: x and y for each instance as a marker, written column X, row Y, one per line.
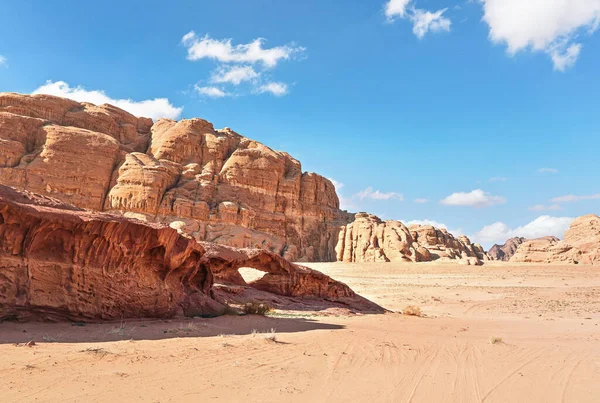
column 503, row 332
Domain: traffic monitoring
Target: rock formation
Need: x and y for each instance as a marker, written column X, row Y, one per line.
column 369, row 239
column 581, row 244
column 506, row 251
column 214, row 185
column 58, row 261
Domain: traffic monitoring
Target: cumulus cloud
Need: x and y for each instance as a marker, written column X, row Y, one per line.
column 234, row 75
column 573, row 198
column 437, row 224
column 224, row 51
column 421, row 201
column 2, row 60
column 550, row 26
column 424, row 21
column 475, row 198
column 338, row 185
column 548, row 170
column 545, row 225
column 277, row 89
column 542, row 207
column 211, row 92
column 396, row 9
column 151, row 108
column 368, row 193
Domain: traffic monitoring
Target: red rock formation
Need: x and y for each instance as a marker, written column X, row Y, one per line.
column 369, row 239
column 214, row 185
column 61, row 262
column 580, row 245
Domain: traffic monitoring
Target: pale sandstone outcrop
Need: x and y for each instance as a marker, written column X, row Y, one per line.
column 369, row 239
column 581, row 244
column 509, row 248
column 58, row 262
column 214, row 185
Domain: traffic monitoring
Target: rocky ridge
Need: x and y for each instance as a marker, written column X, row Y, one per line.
column 60, row 262
column 369, row 239
column 214, row 185
column 509, row 248
column 581, row 244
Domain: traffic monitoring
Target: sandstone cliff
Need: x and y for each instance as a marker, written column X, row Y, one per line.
column 507, row 251
column 58, row 261
column 369, row 239
column 214, row 185
column 581, row 244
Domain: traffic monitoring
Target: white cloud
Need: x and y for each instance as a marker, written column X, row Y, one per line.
column 277, row 89
column 542, row 207
column 550, row 26
column 548, row 170
column 573, row 198
column 212, row 92
column 498, row 179
column 425, row 222
column 2, row 60
column 421, row 201
column 475, row 198
column 234, row 75
column 222, row 50
column 455, row 232
column 151, row 108
column 396, row 9
column 425, row 21
column 499, row 232
column 338, row 185
column 368, row 193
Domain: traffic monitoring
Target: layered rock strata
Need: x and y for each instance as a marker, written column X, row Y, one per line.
column 214, row 185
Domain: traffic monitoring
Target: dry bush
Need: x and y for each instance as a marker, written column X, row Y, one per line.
column 256, row 308
column 496, row 340
column 269, row 336
column 412, row 310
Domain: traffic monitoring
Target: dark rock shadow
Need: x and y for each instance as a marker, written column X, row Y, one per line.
column 157, row 329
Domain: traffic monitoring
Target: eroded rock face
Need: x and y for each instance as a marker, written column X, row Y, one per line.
column 214, row 185
column 581, row 244
column 443, row 245
column 58, row 261
column 506, row 252
column 369, row 239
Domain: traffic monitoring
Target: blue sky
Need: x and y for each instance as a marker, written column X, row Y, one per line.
column 487, row 109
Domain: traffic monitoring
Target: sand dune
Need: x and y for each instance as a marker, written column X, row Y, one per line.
column 498, row 333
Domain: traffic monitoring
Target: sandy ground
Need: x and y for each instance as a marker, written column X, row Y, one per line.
column 499, row 333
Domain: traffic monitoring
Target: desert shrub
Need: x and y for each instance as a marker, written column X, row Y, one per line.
column 496, row 340
column 412, row 310
column 256, row 308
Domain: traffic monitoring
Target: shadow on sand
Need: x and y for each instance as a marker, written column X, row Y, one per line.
column 157, row 329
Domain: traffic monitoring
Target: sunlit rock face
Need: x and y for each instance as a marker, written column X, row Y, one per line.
column 213, row 185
